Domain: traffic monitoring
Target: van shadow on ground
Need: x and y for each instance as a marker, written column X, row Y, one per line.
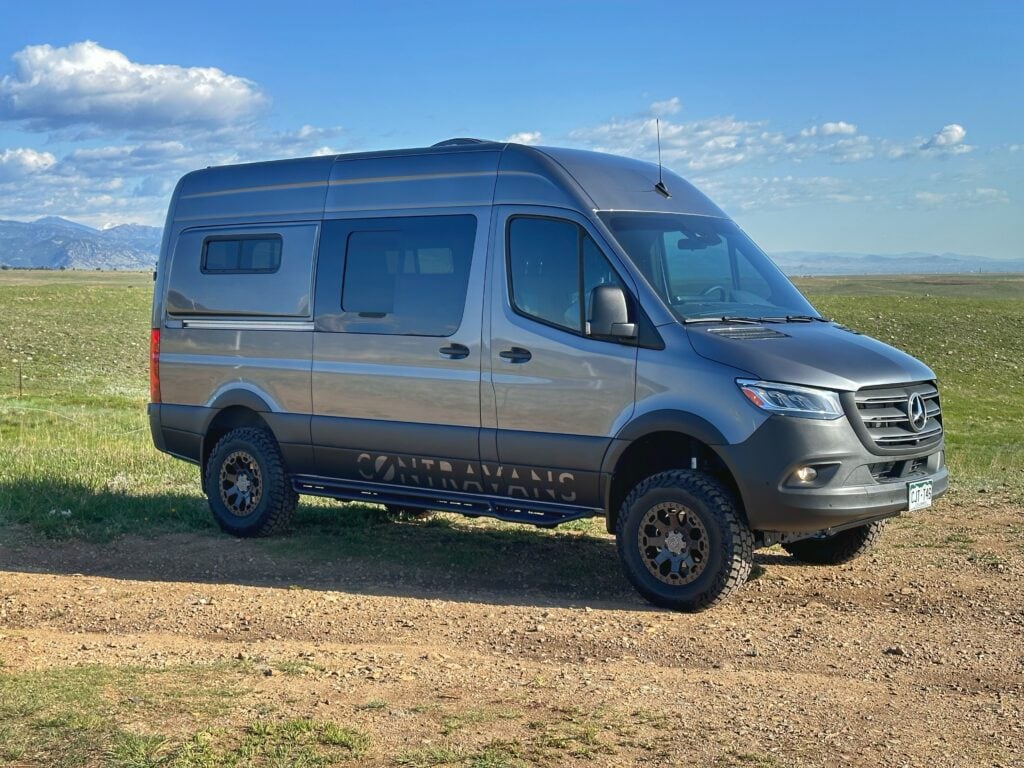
column 348, row 547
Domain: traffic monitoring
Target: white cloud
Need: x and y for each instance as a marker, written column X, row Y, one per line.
column 154, row 186
column 944, row 143
column 149, row 157
column 304, row 142
column 79, row 198
column 132, row 181
column 838, row 128
column 723, row 142
column 88, row 85
column 950, row 136
column 718, row 143
column 971, row 198
column 701, row 145
column 21, row 162
column 159, row 121
column 131, row 177
column 665, row 108
column 525, row 137
column 851, row 150
column 751, row 193
column 841, row 128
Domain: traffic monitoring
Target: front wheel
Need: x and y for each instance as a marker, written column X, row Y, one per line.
column 682, row 541
column 249, row 491
column 838, row 548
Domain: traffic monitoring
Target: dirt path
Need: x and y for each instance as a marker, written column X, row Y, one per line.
column 911, row 656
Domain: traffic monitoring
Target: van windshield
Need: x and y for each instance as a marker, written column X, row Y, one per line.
column 706, row 267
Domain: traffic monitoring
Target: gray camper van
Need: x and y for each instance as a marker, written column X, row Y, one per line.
column 532, row 334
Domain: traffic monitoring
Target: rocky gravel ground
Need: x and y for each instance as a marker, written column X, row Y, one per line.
column 912, row 655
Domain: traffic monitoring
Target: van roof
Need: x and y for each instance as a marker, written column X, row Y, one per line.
column 452, row 173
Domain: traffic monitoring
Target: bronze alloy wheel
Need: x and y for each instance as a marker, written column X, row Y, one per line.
column 241, row 483
column 673, row 543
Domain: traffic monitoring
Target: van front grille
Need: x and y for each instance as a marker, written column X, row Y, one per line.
column 893, row 471
column 886, row 413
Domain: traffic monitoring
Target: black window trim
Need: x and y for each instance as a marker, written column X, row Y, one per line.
column 581, row 233
column 255, row 236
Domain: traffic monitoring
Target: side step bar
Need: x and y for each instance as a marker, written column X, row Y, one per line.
column 544, row 514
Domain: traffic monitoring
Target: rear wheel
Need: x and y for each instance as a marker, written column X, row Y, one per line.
column 838, row 548
column 682, row 541
column 249, row 491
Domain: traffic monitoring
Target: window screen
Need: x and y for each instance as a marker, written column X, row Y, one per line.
column 242, row 254
column 408, row 276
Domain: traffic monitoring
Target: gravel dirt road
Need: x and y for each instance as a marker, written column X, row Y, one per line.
column 913, row 655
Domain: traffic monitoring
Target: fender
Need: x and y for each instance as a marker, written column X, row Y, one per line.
column 243, row 397
column 230, row 398
column 665, row 420
column 288, row 428
column 196, row 419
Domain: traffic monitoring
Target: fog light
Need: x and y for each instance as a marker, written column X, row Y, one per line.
column 806, row 474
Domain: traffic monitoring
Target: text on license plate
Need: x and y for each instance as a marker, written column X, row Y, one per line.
column 919, row 495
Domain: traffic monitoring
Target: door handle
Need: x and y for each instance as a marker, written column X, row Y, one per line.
column 515, row 355
column 455, row 351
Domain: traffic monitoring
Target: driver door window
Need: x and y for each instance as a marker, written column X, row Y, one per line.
column 551, row 264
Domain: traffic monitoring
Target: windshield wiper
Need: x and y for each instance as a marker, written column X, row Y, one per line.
column 724, row 319
column 755, row 320
column 796, row 319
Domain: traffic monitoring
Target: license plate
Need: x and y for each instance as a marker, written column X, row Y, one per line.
column 919, row 495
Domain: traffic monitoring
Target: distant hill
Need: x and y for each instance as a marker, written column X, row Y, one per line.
column 52, row 243
column 55, row 243
column 911, row 263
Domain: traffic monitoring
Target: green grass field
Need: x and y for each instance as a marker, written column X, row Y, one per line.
column 77, row 462
column 76, row 458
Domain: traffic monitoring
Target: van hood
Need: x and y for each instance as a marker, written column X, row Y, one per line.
column 814, row 354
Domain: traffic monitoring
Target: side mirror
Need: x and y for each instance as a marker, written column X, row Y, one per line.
column 609, row 314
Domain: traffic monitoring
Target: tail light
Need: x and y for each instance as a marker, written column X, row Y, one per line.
column 154, row 366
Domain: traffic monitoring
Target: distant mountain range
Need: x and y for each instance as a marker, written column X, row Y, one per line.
column 55, row 243
column 911, row 263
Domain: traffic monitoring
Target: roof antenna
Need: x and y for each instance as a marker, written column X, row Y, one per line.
column 660, row 186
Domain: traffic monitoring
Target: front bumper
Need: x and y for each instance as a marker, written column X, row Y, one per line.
column 853, row 483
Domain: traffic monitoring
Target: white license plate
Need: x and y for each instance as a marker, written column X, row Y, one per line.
column 919, row 495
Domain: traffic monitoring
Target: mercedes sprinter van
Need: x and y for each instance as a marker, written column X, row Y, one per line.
column 533, row 334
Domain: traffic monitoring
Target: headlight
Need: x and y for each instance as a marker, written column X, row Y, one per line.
column 791, row 400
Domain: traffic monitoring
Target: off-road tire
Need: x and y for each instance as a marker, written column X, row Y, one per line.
column 273, row 511
column 839, row 548
column 730, row 544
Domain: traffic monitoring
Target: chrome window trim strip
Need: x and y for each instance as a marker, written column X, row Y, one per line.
column 249, row 325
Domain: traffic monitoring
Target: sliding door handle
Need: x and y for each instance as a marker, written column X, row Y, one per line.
column 455, row 351
column 515, row 355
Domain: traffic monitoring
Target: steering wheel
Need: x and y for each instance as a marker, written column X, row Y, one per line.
column 711, row 289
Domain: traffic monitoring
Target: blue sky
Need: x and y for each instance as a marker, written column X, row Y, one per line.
column 882, row 127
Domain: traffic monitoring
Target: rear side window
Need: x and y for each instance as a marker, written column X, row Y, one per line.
column 242, row 255
column 407, row 276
